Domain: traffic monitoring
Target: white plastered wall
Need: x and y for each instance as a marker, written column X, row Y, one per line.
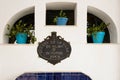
column 111, row 8
column 8, row 11
column 100, row 62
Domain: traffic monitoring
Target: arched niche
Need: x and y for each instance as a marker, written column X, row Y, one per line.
column 21, row 14
column 107, row 19
column 92, row 19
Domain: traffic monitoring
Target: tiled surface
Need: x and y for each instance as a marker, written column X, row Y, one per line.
column 54, row 76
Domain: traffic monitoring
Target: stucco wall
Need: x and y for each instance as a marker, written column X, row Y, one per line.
column 10, row 8
column 99, row 61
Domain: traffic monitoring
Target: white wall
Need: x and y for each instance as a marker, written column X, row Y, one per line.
column 7, row 11
column 110, row 7
column 100, row 62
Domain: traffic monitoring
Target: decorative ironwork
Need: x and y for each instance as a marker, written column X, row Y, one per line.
column 54, row 49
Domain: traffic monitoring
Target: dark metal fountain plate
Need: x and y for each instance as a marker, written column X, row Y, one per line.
column 54, row 49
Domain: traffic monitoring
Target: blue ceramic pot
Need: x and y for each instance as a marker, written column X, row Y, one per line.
column 98, row 37
column 62, row 21
column 21, row 38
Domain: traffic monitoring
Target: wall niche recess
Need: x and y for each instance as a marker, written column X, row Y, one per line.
column 29, row 19
column 53, row 9
column 92, row 19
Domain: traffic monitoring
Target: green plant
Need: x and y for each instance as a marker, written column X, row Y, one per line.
column 96, row 28
column 21, row 27
column 61, row 14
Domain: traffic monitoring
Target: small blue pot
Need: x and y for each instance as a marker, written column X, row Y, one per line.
column 21, row 38
column 62, row 21
column 98, row 37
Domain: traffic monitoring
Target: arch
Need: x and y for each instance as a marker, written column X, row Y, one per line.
column 16, row 17
column 107, row 19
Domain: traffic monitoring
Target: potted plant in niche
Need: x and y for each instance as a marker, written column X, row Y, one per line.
column 61, row 19
column 97, row 32
column 21, row 31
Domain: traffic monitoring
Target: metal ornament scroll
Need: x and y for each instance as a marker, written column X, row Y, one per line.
column 54, row 49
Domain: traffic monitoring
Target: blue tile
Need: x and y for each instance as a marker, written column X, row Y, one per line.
column 41, row 77
column 54, row 76
column 84, row 77
column 49, row 76
column 57, row 76
column 28, row 76
column 65, row 76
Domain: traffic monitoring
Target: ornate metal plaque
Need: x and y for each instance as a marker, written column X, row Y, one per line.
column 54, row 49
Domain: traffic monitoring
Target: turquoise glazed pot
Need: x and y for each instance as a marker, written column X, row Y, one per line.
column 62, row 21
column 21, row 38
column 98, row 37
